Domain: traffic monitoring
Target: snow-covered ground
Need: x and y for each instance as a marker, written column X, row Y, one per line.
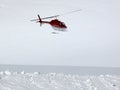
column 57, row 81
column 15, row 77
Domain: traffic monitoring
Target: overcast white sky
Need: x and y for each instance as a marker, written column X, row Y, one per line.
column 92, row 37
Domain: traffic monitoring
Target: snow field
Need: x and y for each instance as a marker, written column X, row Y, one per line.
column 57, row 81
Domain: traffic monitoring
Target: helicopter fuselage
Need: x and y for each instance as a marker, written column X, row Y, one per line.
column 55, row 23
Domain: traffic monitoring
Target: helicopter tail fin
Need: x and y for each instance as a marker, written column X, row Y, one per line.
column 40, row 20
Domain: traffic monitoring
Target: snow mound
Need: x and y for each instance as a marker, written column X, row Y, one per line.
column 57, row 81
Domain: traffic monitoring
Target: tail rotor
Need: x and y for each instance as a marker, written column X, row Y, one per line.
column 40, row 21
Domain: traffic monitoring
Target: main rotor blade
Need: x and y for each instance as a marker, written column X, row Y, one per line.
column 58, row 15
column 62, row 14
column 51, row 17
column 70, row 12
column 34, row 20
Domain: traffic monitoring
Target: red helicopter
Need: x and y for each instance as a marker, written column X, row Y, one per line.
column 55, row 23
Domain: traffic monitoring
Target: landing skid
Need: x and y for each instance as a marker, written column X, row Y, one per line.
column 55, row 33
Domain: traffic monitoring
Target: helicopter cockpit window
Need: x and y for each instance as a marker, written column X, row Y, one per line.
column 63, row 23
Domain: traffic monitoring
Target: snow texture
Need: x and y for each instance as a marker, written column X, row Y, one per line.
column 57, row 81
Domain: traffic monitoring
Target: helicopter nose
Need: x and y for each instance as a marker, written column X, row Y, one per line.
column 65, row 26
